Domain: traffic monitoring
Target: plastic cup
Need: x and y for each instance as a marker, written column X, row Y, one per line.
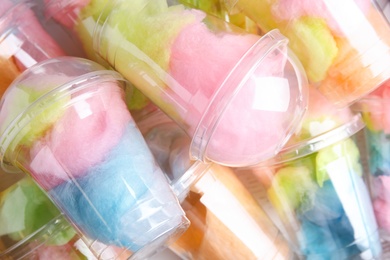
column 225, row 87
column 317, row 196
column 343, row 45
column 23, row 41
column 376, row 142
column 64, row 121
column 226, row 221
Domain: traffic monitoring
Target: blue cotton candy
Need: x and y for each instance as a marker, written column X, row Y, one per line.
column 326, row 230
column 379, row 152
column 113, row 213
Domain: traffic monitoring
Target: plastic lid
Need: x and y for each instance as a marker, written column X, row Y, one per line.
column 42, row 85
column 312, row 145
column 269, row 87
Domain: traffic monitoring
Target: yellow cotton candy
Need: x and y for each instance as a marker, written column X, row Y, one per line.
column 312, row 41
column 293, row 188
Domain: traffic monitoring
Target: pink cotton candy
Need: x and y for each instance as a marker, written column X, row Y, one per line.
column 293, row 9
column 65, row 12
column 39, row 44
column 382, row 213
column 245, row 128
column 201, row 60
column 378, row 105
column 88, row 130
column 382, row 201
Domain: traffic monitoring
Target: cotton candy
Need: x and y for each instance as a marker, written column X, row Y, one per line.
column 24, row 209
column 295, row 9
column 81, row 137
column 65, row 14
column 375, row 108
column 111, row 202
column 321, row 116
column 311, row 39
column 37, row 45
column 292, row 189
column 346, row 150
column 379, row 152
column 8, row 72
column 198, row 44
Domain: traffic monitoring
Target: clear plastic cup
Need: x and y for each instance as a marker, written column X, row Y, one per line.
column 226, row 221
column 343, row 45
column 64, row 121
column 239, row 96
column 23, row 41
column 317, row 196
column 375, row 110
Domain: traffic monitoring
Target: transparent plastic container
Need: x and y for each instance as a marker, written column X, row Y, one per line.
column 238, row 96
column 23, row 41
column 375, row 110
column 64, row 121
column 316, row 195
column 226, row 221
column 343, row 45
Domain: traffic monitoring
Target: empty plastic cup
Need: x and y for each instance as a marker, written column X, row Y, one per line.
column 226, row 221
column 64, row 121
column 23, row 41
column 317, row 196
column 343, row 45
column 238, row 96
column 375, row 110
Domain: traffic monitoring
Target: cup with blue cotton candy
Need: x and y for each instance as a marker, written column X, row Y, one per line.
column 375, row 109
column 318, row 198
column 226, row 220
column 64, row 121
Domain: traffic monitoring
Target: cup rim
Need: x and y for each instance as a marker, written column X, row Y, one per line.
column 207, row 125
column 77, row 83
column 316, row 143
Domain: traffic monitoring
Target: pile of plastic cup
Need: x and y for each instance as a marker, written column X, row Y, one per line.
column 375, row 110
column 226, row 221
column 343, row 45
column 64, row 121
column 251, row 99
column 23, row 40
column 316, row 190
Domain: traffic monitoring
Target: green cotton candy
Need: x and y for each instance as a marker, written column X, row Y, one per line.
column 312, row 41
column 44, row 113
column 292, row 188
column 345, row 150
column 24, row 208
column 151, row 26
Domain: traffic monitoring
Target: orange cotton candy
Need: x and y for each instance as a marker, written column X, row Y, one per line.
column 8, row 72
column 349, row 79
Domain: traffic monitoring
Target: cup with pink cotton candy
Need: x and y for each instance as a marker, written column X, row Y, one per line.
column 64, row 121
column 375, row 109
column 238, row 95
column 23, row 40
column 344, row 46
